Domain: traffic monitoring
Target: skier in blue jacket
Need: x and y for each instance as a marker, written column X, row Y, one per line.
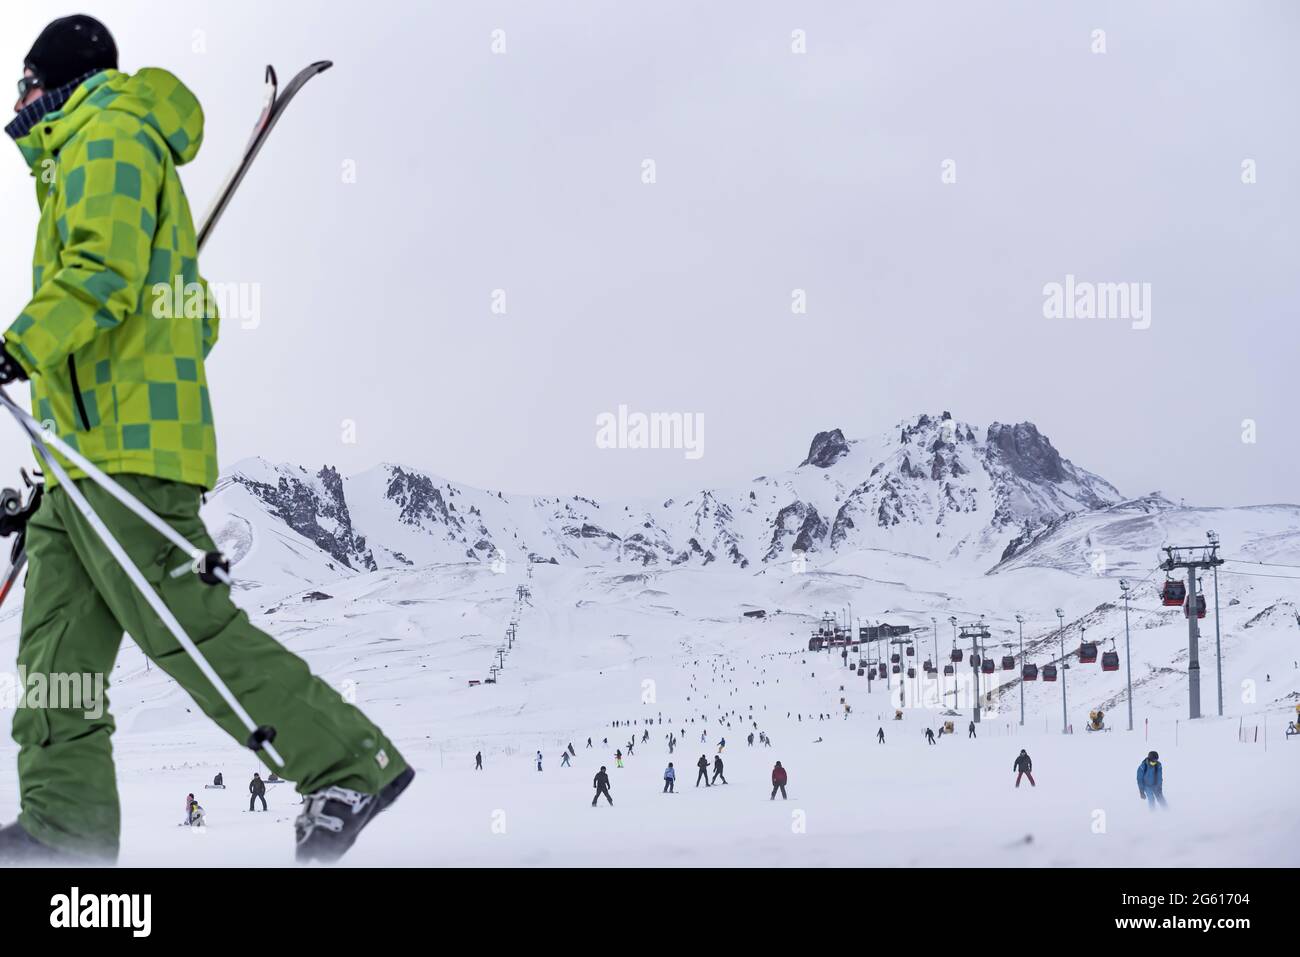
column 670, row 776
column 1151, row 780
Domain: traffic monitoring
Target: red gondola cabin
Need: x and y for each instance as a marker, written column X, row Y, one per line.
column 1174, row 593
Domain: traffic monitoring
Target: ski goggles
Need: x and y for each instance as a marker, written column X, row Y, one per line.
column 26, row 84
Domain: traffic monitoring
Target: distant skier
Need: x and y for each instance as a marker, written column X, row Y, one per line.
column 1151, row 781
column 880, row 736
column 703, row 765
column 670, row 778
column 970, row 731
column 1024, row 766
column 539, row 760
column 571, row 751
column 564, row 759
column 722, row 743
column 717, row 770
column 929, row 735
column 645, row 737
column 751, row 739
column 601, row 783
column 618, row 758
column 189, row 808
column 478, row 761
column 197, row 816
column 589, row 742
column 778, row 781
column 218, row 781
column 256, row 791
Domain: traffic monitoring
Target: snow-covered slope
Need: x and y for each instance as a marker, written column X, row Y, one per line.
column 386, row 584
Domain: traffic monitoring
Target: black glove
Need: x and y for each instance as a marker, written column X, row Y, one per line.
column 9, row 367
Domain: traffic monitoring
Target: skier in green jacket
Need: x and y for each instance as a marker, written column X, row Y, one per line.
column 115, row 358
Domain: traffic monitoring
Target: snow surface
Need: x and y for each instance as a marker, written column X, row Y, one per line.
column 405, row 642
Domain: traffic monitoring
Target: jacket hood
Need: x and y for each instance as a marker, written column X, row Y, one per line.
column 153, row 95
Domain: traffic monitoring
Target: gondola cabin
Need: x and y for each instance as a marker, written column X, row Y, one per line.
column 1200, row 607
column 947, row 669
column 1008, row 663
column 1110, row 661
column 895, row 669
column 1049, row 672
column 955, row 657
column 1029, row 672
column 987, row 666
column 880, row 670
column 911, row 672
column 1088, row 652
column 1174, row 593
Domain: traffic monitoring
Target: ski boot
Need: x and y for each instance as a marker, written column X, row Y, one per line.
column 334, row 816
column 18, row 848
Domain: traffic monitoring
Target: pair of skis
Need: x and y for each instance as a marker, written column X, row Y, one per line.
column 210, row 566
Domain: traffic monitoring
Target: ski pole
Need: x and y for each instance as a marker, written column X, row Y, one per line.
column 259, row 736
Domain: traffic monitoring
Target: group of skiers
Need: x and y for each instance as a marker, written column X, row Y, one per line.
column 601, row 781
column 195, row 816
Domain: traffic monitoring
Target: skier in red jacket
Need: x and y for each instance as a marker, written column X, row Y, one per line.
column 778, row 781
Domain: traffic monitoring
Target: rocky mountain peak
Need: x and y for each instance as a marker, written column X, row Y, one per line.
column 827, row 448
column 1026, row 452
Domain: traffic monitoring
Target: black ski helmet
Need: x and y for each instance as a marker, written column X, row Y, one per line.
column 70, row 47
column 1153, row 756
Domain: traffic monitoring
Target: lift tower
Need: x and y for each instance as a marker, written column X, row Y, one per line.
column 1192, row 557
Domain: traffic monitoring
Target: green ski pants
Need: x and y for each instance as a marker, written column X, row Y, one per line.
column 77, row 603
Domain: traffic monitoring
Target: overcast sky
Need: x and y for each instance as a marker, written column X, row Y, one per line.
column 775, row 170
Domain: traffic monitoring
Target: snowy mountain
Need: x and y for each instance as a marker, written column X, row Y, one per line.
column 934, row 487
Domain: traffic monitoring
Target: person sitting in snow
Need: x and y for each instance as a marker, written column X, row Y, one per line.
column 196, row 815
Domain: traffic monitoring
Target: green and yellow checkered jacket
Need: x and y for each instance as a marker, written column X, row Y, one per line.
column 115, row 358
